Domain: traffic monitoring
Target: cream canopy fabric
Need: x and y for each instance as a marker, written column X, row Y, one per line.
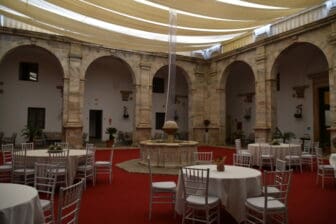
column 144, row 24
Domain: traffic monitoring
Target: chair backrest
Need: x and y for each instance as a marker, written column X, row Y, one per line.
column 63, row 145
column 292, row 150
column 238, row 145
column 149, row 166
column 280, row 180
column 320, row 160
column 27, row 146
column 7, row 151
column 318, row 151
column 19, row 158
column 59, row 158
column 195, row 182
column 90, row 154
column 69, row 203
column 45, row 180
column 242, row 160
column 280, row 165
column 265, row 149
column 203, row 157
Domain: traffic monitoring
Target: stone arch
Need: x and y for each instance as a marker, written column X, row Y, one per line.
column 117, row 88
column 28, row 91
column 183, row 96
column 300, row 71
column 246, row 115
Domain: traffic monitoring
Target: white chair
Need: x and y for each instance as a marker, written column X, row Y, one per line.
column 270, row 207
column 6, row 167
column 239, row 149
column 86, row 170
column 104, row 167
column 280, row 165
column 308, row 156
column 27, row 146
column 61, row 160
column 196, row 198
column 69, row 203
column 21, row 173
column 266, row 157
column 161, row 192
column 293, row 158
column 244, row 160
column 45, row 183
column 203, row 157
column 324, row 169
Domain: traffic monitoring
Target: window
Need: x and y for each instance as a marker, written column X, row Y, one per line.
column 28, row 71
column 36, row 117
column 159, row 120
column 158, row 85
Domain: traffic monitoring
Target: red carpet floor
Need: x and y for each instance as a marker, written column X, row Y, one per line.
column 125, row 201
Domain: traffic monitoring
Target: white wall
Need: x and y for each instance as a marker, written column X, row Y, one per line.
column 294, row 68
column 104, row 80
column 181, row 106
column 240, row 81
column 18, row 95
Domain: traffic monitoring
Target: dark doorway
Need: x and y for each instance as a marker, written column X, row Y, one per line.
column 95, row 126
column 324, row 112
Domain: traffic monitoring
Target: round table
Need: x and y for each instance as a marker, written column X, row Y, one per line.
column 20, row 204
column 232, row 186
column 42, row 156
column 279, row 151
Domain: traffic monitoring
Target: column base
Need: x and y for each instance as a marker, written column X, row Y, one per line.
column 74, row 136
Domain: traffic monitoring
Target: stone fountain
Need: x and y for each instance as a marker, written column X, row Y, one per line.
column 168, row 153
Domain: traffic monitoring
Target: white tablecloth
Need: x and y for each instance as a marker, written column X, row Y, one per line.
column 279, row 151
column 232, row 186
column 332, row 161
column 42, row 156
column 19, row 204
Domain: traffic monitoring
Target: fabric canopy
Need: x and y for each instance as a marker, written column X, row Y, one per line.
column 144, row 25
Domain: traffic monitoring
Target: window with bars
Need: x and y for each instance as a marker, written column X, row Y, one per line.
column 36, row 117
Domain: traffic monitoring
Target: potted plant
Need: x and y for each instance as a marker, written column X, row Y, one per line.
column 30, row 132
column 287, row 136
column 111, row 131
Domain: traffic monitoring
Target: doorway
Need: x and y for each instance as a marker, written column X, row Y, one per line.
column 95, row 125
column 324, row 115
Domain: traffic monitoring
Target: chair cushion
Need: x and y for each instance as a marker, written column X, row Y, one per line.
column 59, row 170
column 84, row 167
column 326, row 167
column 5, row 167
column 28, row 171
column 199, row 200
column 259, row 203
column 45, row 203
column 308, row 156
column 164, row 185
column 103, row 163
column 292, row 157
column 271, row 190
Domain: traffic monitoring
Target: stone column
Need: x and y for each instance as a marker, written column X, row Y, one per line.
column 73, row 92
column 143, row 104
column 264, row 101
column 332, row 89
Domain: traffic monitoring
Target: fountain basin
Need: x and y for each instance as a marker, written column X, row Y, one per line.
column 168, row 154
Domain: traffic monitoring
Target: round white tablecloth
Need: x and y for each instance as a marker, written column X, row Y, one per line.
column 232, row 186
column 42, row 156
column 279, row 151
column 19, row 204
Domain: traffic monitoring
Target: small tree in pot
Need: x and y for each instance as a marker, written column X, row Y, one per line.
column 30, row 132
column 111, row 131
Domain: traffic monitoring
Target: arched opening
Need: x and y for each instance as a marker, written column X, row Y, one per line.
column 302, row 92
column 109, row 100
column 159, row 94
column 31, row 80
column 240, row 102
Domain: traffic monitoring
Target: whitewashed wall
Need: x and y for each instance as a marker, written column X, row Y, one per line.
column 104, row 80
column 159, row 101
column 18, row 95
column 293, row 69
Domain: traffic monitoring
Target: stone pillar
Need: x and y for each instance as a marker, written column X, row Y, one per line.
column 143, row 104
column 198, row 113
column 264, row 101
column 73, row 92
column 332, row 89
